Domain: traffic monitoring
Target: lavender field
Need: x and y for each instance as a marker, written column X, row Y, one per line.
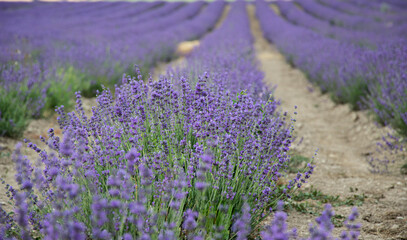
column 203, row 120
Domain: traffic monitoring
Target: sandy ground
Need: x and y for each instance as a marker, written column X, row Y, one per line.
column 343, row 138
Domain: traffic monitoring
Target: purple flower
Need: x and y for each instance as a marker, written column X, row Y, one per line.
column 190, row 220
column 278, row 228
column 132, row 154
column 242, row 225
column 127, row 236
column 66, row 146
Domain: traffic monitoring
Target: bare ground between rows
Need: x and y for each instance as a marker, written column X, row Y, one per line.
column 343, row 138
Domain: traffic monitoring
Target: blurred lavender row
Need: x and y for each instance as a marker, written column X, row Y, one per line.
column 380, row 5
column 356, row 22
column 367, row 76
column 297, row 16
column 384, row 12
column 94, row 40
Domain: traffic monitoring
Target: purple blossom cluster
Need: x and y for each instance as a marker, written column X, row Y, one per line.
column 388, row 147
column 321, row 230
column 365, row 77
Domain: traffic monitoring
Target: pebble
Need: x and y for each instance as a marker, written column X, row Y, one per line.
column 394, row 227
column 332, row 155
column 354, row 117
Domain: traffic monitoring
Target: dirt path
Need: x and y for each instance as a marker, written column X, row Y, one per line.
column 343, row 138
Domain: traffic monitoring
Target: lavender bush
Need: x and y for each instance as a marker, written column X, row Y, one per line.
column 156, row 161
column 322, row 230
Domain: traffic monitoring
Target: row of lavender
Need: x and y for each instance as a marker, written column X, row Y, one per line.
column 392, row 22
column 326, row 26
column 382, row 5
column 367, row 76
column 196, row 154
column 44, row 62
column 381, row 11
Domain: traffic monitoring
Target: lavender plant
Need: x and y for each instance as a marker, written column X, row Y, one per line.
column 19, row 103
column 156, row 161
column 388, row 94
column 322, row 230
